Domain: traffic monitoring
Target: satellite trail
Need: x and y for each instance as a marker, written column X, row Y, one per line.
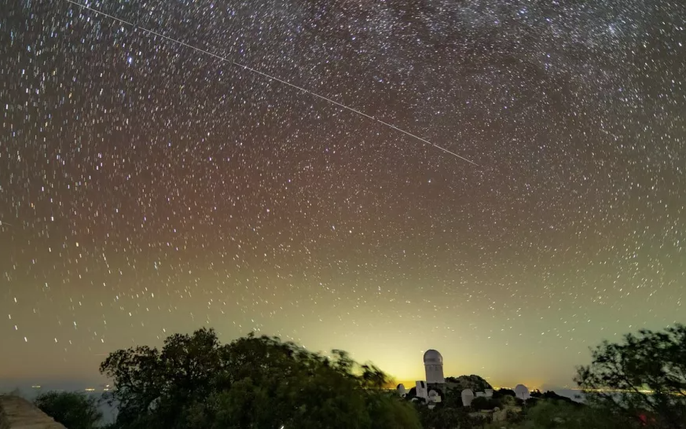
column 274, row 78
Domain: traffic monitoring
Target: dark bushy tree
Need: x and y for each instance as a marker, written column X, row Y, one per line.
column 474, row 382
column 73, row 410
column 504, row 392
column 643, row 378
column 555, row 414
column 483, row 403
column 254, row 382
column 443, row 417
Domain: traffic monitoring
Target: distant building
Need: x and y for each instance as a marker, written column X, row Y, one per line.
column 431, row 390
column 467, row 397
column 433, row 365
column 422, row 390
column 522, row 392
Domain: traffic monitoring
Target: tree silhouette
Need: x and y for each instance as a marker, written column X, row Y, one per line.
column 254, row 382
column 642, row 378
column 74, row 410
column 556, row 414
column 504, row 392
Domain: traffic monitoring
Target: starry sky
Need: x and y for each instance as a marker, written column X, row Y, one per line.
column 147, row 188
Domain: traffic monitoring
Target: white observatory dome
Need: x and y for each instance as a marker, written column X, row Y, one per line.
column 522, row 392
column 467, row 397
column 433, row 365
column 433, row 357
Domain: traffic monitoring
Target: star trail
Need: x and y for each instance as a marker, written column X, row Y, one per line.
column 273, row 78
column 148, row 187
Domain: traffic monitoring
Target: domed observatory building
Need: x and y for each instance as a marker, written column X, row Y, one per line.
column 522, row 392
column 433, row 365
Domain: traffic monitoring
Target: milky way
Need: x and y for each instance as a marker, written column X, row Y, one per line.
column 147, row 189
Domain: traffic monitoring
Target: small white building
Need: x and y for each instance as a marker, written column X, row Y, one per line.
column 522, row 392
column 467, row 397
column 422, row 390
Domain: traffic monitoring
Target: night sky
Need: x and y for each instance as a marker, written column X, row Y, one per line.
column 148, row 189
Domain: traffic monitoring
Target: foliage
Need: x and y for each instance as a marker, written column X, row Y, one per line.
column 555, row 414
column 552, row 413
column 254, row 382
column 473, row 382
column 74, row 410
column 642, row 378
column 504, row 392
column 387, row 412
column 483, row 403
column 452, row 398
column 443, row 417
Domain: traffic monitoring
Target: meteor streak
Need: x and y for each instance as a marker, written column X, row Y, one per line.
column 274, row 78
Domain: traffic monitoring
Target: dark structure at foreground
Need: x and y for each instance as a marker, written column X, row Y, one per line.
column 18, row 413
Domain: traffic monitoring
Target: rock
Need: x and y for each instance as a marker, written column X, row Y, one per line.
column 18, row 413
